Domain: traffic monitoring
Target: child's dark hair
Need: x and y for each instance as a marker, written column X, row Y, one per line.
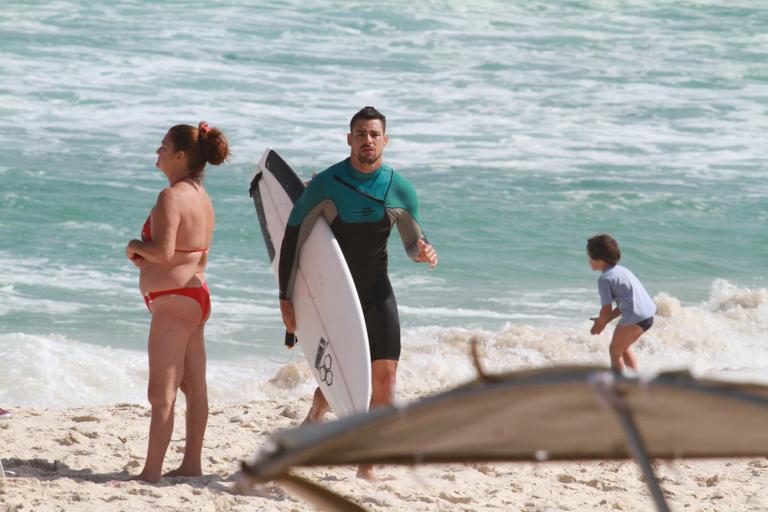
column 605, row 248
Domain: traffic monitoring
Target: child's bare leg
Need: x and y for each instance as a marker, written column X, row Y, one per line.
column 629, row 359
column 623, row 337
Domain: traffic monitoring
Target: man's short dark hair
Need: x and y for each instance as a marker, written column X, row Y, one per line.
column 604, row 247
column 368, row 113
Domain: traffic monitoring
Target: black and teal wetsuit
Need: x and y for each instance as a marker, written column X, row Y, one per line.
column 361, row 209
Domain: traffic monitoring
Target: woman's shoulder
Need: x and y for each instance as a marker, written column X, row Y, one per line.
column 181, row 193
column 185, row 188
column 168, row 195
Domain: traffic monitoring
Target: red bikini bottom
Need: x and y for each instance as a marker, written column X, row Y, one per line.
column 200, row 294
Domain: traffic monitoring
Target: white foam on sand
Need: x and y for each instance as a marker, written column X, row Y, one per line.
column 57, row 372
column 725, row 336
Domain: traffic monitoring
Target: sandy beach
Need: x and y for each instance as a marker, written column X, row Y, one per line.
column 81, row 459
column 523, row 128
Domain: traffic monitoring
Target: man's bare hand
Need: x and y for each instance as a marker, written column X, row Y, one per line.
column 427, row 253
column 289, row 316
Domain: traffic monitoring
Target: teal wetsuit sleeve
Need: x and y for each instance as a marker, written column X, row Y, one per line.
column 305, row 212
column 403, row 206
column 312, row 196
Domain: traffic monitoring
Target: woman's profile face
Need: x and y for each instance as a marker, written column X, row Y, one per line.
column 165, row 153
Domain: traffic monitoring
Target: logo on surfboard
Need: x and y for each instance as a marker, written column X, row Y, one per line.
column 323, row 363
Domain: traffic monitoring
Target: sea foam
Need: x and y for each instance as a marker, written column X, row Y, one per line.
column 724, row 336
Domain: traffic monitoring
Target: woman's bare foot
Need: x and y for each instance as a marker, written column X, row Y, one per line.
column 185, row 471
column 146, row 477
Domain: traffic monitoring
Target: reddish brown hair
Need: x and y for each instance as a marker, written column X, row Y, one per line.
column 201, row 146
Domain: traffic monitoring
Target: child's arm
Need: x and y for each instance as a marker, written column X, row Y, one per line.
column 607, row 314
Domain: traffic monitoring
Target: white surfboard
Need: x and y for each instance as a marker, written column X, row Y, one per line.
column 329, row 320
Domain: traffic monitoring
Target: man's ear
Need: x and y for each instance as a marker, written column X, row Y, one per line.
column 349, row 139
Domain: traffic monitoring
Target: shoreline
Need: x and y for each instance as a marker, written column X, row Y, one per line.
column 81, row 458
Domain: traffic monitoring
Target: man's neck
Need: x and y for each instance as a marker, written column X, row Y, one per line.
column 363, row 167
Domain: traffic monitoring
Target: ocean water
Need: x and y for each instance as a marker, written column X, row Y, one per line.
column 526, row 127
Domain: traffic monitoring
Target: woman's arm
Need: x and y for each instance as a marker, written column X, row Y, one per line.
column 166, row 217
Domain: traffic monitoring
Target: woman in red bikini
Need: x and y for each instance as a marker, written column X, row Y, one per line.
column 171, row 257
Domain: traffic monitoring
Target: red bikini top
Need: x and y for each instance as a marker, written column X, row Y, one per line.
column 146, row 235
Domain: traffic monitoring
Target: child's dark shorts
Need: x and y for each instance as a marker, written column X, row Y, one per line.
column 645, row 324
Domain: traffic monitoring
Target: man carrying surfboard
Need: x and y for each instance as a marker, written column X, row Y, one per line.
column 362, row 199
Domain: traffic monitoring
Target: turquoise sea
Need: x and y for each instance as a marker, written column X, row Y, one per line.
column 526, row 127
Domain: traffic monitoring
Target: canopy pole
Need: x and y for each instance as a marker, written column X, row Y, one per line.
column 604, row 385
column 640, row 454
column 476, row 362
column 637, row 447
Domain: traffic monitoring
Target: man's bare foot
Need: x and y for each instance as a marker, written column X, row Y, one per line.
column 183, row 471
column 315, row 415
column 366, row 473
column 319, row 408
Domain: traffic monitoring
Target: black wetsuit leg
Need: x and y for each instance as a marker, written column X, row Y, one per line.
column 383, row 325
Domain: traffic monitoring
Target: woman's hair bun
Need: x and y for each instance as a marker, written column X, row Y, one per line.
column 214, row 145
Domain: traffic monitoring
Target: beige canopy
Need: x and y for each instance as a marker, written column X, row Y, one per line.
column 560, row 413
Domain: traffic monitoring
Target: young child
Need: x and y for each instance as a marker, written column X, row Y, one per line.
column 634, row 305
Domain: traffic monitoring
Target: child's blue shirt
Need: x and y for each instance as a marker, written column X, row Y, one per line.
column 620, row 284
